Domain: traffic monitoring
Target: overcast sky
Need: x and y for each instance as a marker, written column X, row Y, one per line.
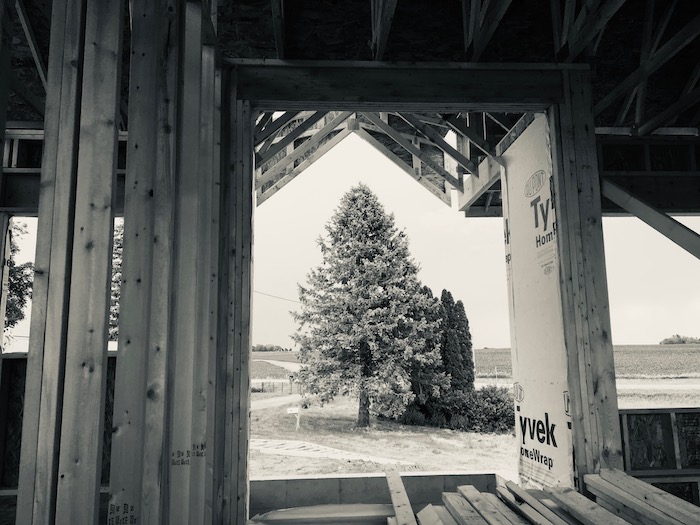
column 654, row 285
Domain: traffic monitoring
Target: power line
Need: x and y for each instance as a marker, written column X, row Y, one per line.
column 277, row 297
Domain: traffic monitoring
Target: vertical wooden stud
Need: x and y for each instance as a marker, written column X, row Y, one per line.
column 596, row 427
column 186, row 266
column 135, row 301
column 80, row 456
column 45, row 363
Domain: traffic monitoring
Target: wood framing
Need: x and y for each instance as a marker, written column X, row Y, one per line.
column 587, row 334
column 382, row 15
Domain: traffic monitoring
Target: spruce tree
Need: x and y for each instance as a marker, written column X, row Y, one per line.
column 456, row 344
column 364, row 323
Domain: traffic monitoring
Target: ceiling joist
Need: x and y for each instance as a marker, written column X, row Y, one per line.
column 31, row 41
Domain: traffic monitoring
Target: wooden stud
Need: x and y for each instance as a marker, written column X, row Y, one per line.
column 46, row 358
column 587, row 334
column 185, row 267
column 82, row 421
column 667, row 226
column 128, row 433
column 399, row 499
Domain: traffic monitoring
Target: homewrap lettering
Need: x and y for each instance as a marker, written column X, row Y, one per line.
column 543, row 430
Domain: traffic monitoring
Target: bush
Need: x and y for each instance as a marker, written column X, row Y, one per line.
column 489, row 409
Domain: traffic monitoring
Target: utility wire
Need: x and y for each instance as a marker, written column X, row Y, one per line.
column 277, row 297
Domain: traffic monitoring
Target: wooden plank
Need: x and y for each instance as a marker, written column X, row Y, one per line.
column 31, row 41
column 681, row 510
column 475, row 187
column 185, row 267
column 538, row 506
column 629, row 504
column 391, row 521
column 411, row 172
column 492, row 19
column 491, row 514
column 82, row 420
column 459, row 126
column 128, row 423
column 45, row 366
column 316, row 155
column 594, row 23
column 583, row 509
column 433, row 87
column 543, row 497
column 399, row 498
column 664, row 224
column 512, row 517
column 289, row 138
column 278, row 26
column 461, row 510
column 440, row 142
column 304, row 148
column 405, row 144
column 522, row 509
column 673, row 46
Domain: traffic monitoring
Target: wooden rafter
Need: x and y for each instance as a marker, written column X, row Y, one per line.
column 278, row 25
column 382, row 16
column 272, row 128
column 474, row 187
column 299, row 152
column 589, row 24
column 413, row 150
column 289, row 138
column 287, row 178
column 646, row 51
column 459, row 126
column 439, row 141
column 264, row 119
column 491, row 17
column 670, row 49
column 26, row 94
column 31, row 40
column 423, row 181
column 663, row 24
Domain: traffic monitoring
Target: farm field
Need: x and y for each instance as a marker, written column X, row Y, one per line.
column 631, row 361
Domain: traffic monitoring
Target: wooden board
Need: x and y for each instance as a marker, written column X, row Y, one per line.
column 461, row 510
column 487, row 511
column 399, row 499
column 538, row 506
column 582, row 508
column 513, row 518
column 522, row 509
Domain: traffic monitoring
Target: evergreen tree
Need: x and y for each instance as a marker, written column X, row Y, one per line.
column 364, row 323
column 456, row 344
column 20, row 279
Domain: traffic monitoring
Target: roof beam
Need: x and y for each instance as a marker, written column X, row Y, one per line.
column 423, row 181
column 316, row 155
column 263, row 121
column 667, row 226
column 641, row 91
column 413, row 150
column 458, row 126
column 272, row 128
column 470, row 17
column 440, row 142
column 382, row 16
column 278, row 26
column 299, row 152
column 670, row 49
column 31, row 40
column 474, row 187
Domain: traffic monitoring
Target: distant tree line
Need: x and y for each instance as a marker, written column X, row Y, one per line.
column 270, row 348
column 680, row 340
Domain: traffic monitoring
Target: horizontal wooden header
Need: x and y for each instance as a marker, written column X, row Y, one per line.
column 360, row 86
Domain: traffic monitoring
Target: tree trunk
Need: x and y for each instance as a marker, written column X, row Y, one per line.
column 365, row 372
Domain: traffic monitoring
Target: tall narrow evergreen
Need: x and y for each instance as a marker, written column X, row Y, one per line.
column 364, row 322
column 456, row 344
